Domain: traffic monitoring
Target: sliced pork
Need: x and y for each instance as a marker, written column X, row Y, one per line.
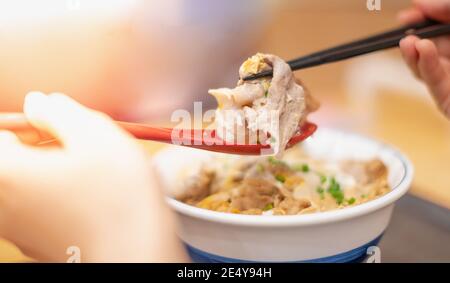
column 269, row 110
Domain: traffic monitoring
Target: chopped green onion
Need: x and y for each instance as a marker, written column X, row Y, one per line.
column 351, row 201
column 323, row 179
column 301, row 167
column 269, row 206
column 305, row 168
column 335, row 191
column 280, row 178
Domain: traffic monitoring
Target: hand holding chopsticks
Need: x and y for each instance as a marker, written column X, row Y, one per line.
column 425, row 29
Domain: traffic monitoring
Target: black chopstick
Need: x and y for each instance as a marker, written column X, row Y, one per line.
column 426, row 29
column 403, row 30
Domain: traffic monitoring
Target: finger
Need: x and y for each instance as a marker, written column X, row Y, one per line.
column 433, row 72
column 8, row 141
column 10, row 146
column 410, row 54
column 410, row 16
column 443, row 45
column 61, row 121
column 434, row 9
column 430, row 67
column 73, row 124
column 8, row 138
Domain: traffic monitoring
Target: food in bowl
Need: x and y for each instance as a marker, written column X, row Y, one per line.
column 338, row 235
column 267, row 110
column 295, row 184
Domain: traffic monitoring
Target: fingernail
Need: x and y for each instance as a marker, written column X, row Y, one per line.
column 404, row 41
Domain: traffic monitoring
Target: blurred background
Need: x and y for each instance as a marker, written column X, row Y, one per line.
column 141, row 60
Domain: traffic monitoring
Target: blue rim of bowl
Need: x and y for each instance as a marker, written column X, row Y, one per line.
column 314, row 218
column 354, row 255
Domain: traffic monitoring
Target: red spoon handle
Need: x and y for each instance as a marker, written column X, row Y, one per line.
column 197, row 138
column 17, row 123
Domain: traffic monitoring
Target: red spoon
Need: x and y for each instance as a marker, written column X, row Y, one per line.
column 196, row 138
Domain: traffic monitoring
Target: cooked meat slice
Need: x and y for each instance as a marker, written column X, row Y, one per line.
column 242, row 169
column 279, row 168
column 274, row 106
column 365, row 172
column 197, row 187
column 292, row 206
column 285, row 203
column 241, row 96
column 253, row 193
column 311, row 103
column 376, row 169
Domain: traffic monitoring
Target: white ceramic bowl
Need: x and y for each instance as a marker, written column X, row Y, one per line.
column 333, row 236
